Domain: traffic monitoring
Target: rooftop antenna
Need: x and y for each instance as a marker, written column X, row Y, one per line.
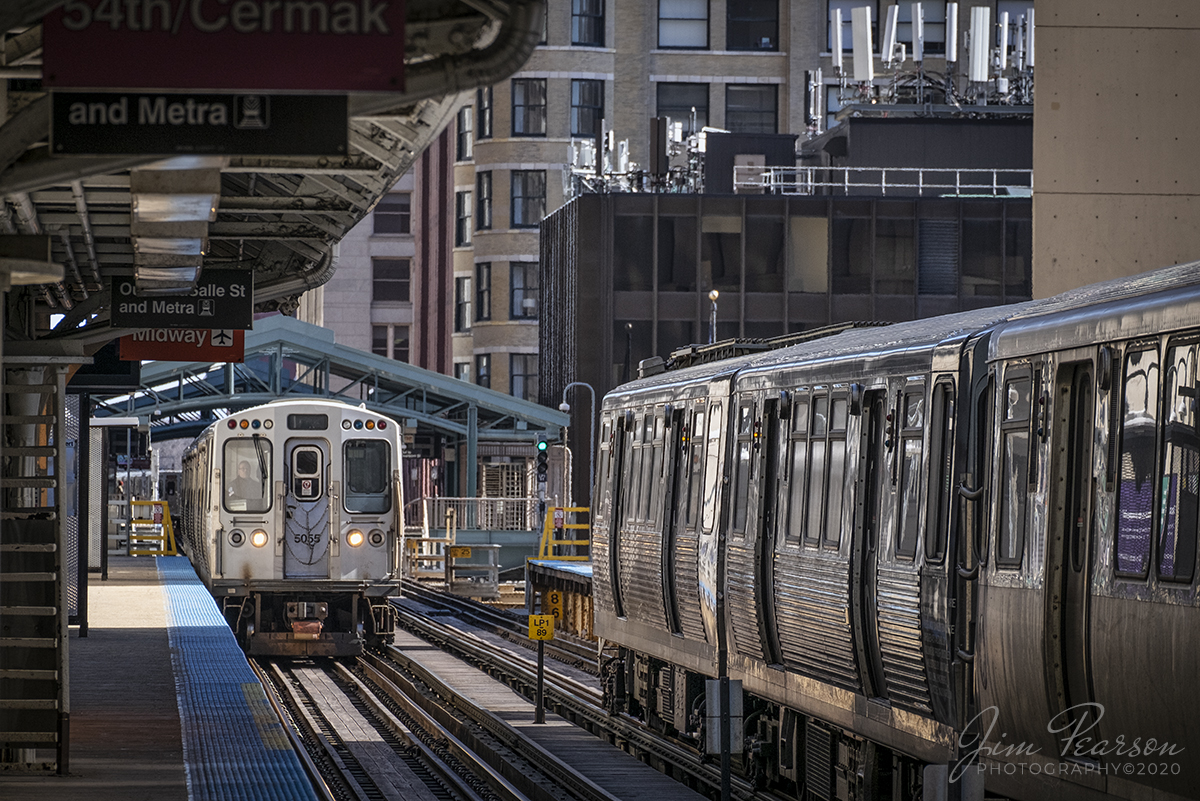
column 888, row 51
column 977, row 71
column 1029, row 37
column 1002, row 59
column 837, row 43
column 918, row 33
column 864, row 58
column 951, row 33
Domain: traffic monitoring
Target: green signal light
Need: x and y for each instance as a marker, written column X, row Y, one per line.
column 542, row 445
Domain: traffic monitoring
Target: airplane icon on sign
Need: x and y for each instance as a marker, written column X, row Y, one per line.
column 222, row 337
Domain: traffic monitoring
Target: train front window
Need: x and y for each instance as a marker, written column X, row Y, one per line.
column 365, row 470
column 306, row 473
column 246, row 475
column 1014, row 472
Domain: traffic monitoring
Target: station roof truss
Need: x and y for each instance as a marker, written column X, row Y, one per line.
column 278, row 217
column 287, row 358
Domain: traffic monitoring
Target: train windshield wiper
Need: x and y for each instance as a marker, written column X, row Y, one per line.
column 259, row 450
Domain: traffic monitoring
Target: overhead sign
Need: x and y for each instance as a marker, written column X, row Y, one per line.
column 111, row 123
column 213, row 45
column 221, row 299
column 185, row 345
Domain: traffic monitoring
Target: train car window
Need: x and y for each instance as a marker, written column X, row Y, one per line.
column 1014, row 471
column 306, row 473
column 365, row 470
column 797, row 479
column 913, row 415
column 1135, row 477
column 741, row 486
column 633, row 468
column 941, row 454
column 603, row 498
column 308, row 422
column 837, row 471
column 648, row 477
column 818, row 428
column 697, row 466
column 657, row 482
column 712, row 459
column 1181, row 469
column 246, row 474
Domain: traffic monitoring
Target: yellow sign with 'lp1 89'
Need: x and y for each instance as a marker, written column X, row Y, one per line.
column 541, row 627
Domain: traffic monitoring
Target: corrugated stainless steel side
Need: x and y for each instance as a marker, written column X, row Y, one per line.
column 899, row 613
column 812, row 612
column 602, row 597
column 641, row 576
column 687, row 585
column 742, row 600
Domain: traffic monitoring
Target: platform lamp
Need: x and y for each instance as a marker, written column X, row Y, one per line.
column 712, row 320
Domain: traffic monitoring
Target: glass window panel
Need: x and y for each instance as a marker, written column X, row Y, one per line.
column 247, row 474
column 798, row 486
column 751, row 108
column 379, row 340
column 367, row 476
column 587, row 22
column 683, row 23
column 697, row 467
column 816, row 490
column 711, row 478
column 741, row 489
column 523, row 285
column 528, row 198
column 483, row 105
column 529, row 107
column 483, row 192
column 1013, row 495
column 895, row 257
column 1135, row 482
column 393, row 214
column 851, row 257
column 837, row 475
column 390, row 280
column 1181, row 469
column 462, row 219
column 483, row 290
column 914, row 409
column 820, row 416
column 840, row 410
column 764, row 261
column 910, row 489
column 941, row 454
column 587, row 106
column 677, row 258
column 464, row 149
column 752, row 25
column 679, row 100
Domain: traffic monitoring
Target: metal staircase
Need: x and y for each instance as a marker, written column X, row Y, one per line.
column 34, row 708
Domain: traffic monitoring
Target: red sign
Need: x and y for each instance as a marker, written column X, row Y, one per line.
column 185, row 345
column 261, row 45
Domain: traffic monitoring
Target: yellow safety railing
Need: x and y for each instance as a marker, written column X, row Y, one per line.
column 159, row 539
column 560, row 519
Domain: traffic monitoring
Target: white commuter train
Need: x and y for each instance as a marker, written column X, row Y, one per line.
column 291, row 515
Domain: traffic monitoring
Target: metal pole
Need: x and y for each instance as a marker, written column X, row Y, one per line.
column 539, row 713
column 566, row 407
column 712, row 321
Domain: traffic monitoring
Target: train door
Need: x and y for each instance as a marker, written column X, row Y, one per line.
column 306, row 527
column 873, row 491
column 1070, row 558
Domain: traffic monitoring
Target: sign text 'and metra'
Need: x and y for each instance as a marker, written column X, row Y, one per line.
column 221, row 299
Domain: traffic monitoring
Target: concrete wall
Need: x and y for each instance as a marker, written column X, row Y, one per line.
column 1116, row 134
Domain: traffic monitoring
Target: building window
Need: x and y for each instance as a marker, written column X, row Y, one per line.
column 483, row 192
column 483, row 105
column 462, row 219
column 390, row 341
column 390, row 280
column 683, row 23
column 847, row 27
column 752, row 25
column 462, row 371
column 465, row 126
column 528, row 198
column 393, row 214
column 483, row 370
column 679, row 100
column 934, row 14
column 483, row 291
column 587, row 22
column 462, row 304
column 587, row 106
column 750, row 108
column 529, row 107
column 523, row 376
column 523, row 289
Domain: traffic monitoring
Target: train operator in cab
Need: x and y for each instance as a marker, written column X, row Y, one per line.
column 244, row 487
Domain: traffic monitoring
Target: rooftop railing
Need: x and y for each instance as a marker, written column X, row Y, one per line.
column 901, row 181
column 489, row 514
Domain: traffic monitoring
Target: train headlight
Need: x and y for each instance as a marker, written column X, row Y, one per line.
column 268, row 423
column 354, row 538
column 258, row 538
column 376, row 537
column 237, row 537
column 346, row 424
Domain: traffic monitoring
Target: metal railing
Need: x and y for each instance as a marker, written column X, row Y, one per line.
column 903, row 181
column 490, row 514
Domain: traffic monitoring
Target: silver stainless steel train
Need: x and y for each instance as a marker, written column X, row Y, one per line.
column 938, row 556
column 291, row 516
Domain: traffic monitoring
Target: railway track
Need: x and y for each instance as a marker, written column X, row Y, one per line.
column 575, row 698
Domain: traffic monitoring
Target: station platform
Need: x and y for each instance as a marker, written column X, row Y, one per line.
column 163, row 705
column 570, row 582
